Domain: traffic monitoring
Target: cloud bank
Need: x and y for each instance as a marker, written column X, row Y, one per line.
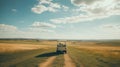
column 93, row 9
column 47, row 5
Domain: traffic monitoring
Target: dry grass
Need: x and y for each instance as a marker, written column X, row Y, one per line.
column 106, row 51
column 89, row 54
column 5, row 47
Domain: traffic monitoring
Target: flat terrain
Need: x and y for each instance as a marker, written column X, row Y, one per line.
column 41, row 53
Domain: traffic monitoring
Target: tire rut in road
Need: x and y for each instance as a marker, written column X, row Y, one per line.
column 48, row 62
column 68, row 61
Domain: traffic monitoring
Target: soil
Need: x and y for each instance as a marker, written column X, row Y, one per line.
column 48, row 62
column 68, row 61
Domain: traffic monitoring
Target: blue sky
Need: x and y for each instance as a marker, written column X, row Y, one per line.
column 60, row 19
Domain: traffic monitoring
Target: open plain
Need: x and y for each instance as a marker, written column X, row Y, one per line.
column 42, row 53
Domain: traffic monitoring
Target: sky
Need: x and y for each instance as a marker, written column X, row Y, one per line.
column 60, row 19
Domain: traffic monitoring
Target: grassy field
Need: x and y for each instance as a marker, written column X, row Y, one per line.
column 30, row 41
column 31, row 53
column 94, row 58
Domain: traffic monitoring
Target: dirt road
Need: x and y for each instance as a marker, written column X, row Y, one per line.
column 48, row 62
column 68, row 61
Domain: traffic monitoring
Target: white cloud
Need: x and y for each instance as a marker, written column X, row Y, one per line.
column 44, row 1
column 83, row 2
column 47, row 5
column 6, row 28
column 55, row 5
column 76, row 19
column 99, row 7
column 65, row 8
column 111, row 27
column 39, row 9
column 93, row 9
column 10, row 31
column 106, row 7
column 43, row 25
column 14, row 10
column 40, row 30
column 108, row 26
column 108, row 31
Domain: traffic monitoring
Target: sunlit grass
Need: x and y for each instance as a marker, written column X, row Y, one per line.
column 30, row 53
column 94, row 58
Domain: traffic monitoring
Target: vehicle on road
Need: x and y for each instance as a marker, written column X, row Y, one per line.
column 61, row 47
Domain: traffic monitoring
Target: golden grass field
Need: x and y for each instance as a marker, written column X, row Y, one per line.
column 105, row 50
column 82, row 54
column 5, row 47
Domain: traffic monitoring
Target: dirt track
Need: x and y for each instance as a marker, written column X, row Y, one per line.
column 48, row 62
column 68, row 61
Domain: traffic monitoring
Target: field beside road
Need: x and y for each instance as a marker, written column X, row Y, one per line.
column 42, row 53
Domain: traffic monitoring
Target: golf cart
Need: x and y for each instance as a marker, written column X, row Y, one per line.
column 61, row 47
